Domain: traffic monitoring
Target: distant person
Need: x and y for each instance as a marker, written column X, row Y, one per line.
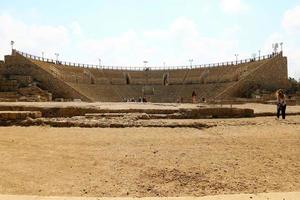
column 144, row 100
column 281, row 104
column 194, row 97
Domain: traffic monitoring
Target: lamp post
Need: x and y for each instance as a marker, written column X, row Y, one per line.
column 275, row 47
column 56, row 54
column 145, row 63
column 236, row 57
column 191, row 62
column 99, row 59
column 146, row 71
column 12, row 45
column 254, row 56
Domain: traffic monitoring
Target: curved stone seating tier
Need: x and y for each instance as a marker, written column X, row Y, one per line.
column 179, row 76
column 171, row 93
column 168, row 85
column 98, row 92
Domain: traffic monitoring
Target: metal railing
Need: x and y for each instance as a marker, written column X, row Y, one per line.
column 140, row 68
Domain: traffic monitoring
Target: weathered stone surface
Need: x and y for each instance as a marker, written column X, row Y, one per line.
column 111, row 123
column 19, row 115
column 139, row 113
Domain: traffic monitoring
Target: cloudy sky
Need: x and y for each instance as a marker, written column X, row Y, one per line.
column 127, row 32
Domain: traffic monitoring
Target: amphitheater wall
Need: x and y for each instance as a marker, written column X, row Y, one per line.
column 1, row 67
column 18, row 65
column 270, row 76
column 113, row 85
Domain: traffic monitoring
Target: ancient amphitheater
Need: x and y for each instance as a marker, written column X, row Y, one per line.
column 68, row 81
column 65, row 133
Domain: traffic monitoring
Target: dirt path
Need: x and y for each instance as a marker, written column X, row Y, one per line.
column 236, row 156
column 261, row 196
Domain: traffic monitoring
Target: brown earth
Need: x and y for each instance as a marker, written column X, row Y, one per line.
column 237, row 156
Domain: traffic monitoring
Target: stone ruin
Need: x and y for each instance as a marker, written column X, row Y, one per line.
column 21, row 88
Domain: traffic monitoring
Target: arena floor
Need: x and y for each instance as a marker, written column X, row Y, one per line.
column 253, row 155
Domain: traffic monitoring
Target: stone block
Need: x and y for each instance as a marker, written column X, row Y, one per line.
column 19, row 115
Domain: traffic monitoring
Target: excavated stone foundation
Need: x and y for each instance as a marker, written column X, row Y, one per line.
column 86, row 115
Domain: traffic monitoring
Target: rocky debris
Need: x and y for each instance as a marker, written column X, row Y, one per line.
column 120, row 122
column 34, row 93
column 22, row 88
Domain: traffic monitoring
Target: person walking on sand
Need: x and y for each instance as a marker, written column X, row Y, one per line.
column 281, row 104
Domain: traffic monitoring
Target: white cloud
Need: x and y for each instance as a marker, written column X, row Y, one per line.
column 175, row 44
column 290, row 49
column 291, row 20
column 76, row 29
column 234, row 6
column 290, row 38
column 31, row 38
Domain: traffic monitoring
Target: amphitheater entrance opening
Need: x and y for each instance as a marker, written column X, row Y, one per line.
column 127, row 79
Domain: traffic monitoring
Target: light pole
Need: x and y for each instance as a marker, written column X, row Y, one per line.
column 100, row 62
column 254, row 56
column 191, row 62
column 146, row 71
column 236, row 57
column 12, row 44
column 56, row 54
column 145, row 63
column 275, row 47
column 281, row 44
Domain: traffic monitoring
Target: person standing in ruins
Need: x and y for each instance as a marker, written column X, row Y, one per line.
column 281, row 104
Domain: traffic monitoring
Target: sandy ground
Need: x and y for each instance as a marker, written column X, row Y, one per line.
column 260, row 196
column 236, row 156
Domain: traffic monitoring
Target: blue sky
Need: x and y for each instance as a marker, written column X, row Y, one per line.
column 126, row 32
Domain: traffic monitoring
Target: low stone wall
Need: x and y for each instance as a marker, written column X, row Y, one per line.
column 270, row 76
column 18, row 65
column 195, row 113
column 216, row 113
column 19, row 115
